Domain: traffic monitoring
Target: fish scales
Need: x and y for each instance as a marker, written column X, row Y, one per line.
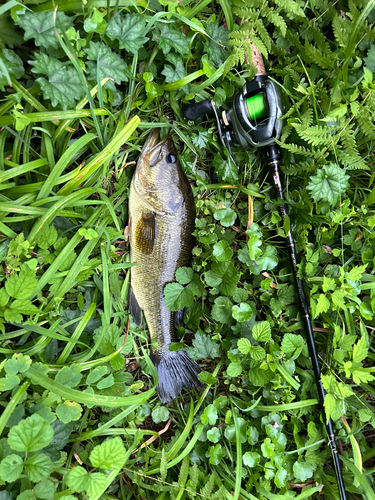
column 161, row 222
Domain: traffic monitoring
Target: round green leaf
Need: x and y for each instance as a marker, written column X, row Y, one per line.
column 69, row 411
column 262, row 331
column 251, row 459
column 109, row 455
column 31, row 434
column 11, row 468
column 244, row 346
column 243, row 312
column 38, row 467
column 213, row 435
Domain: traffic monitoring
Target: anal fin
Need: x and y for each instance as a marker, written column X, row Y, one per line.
column 134, row 307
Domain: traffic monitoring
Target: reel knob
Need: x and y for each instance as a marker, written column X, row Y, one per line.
column 194, row 111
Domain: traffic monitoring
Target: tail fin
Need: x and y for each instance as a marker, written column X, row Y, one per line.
column 176, row 372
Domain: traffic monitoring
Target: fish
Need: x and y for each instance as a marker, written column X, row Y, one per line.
column 160, row 227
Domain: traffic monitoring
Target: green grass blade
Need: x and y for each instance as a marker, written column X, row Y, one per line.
column 78, row 331
column 81, row 397
column 22, row 169
column 74, row 151
column 41, row 225
column 105, row 155
column 12, row 404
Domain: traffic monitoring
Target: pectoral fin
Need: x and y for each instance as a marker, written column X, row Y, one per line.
column 145, row 233
column 179, row 316
column 134, row 308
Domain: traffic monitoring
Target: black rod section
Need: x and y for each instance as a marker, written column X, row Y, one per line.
column 272, row 156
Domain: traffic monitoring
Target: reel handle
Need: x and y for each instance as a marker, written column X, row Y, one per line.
column 194, row 111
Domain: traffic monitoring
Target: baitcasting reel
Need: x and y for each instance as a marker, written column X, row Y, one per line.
column 253, row 120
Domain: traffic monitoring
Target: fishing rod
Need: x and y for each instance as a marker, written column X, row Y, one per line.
column 255, row 121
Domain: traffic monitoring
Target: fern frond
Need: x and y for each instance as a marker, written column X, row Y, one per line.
column 245, row 12
column 301, row 150
column 263, row 34
column 307, row 118
column 291, row 8
column 316, row 135
column 193, row 481
column 277, row 21
column 366, row 123
column 221, row 493
column 318, row 57
column 301, row 168
column 207, row 489
column 285, row 133
column 340, row 25
column 184, row 471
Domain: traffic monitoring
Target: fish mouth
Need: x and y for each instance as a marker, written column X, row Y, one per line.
column 152, row 147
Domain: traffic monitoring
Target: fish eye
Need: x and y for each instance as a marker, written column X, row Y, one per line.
column 171, row 158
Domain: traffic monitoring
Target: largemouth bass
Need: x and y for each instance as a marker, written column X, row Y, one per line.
column 161, row 222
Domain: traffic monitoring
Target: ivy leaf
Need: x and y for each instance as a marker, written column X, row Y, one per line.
column 356, row 273
column 201, row 139
column 213, row 435
column 19, row 307
column 128, row 30
column 204, row 347
column 251, row 459
column 109, row 455
column 322, row 305
column 254, row 245
column 69, row 411
column 109, row 64
column 19, row 363
column 177, row 297
column 226, row 216
column 216, row 46
column 222, row 310
column 69, row 376
column 230, row 432
column 243, row 312
column 44, row 490
column 38, row 467
column 244, row 346
column 11, row 468
column 60, row 438
column 184, row 275
column 222, row 274
column 216, row 454
column 262, row 331
column 160, row 414
column 225, row 168
column 22, row 285
column 78, row 480
column 13, row 64
column 209, row 415
column 269, row 258
column 62, row 86
column 48, row 238
column 303, row 470
column 41, row 27
column 257, row 352
column 9, row 382
column 171, row 38
column 234, row 369
column 328, row 184
column 292, row 345
column 174, row 73
column 360, row 351
column 222, row 251
column 31, row 434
